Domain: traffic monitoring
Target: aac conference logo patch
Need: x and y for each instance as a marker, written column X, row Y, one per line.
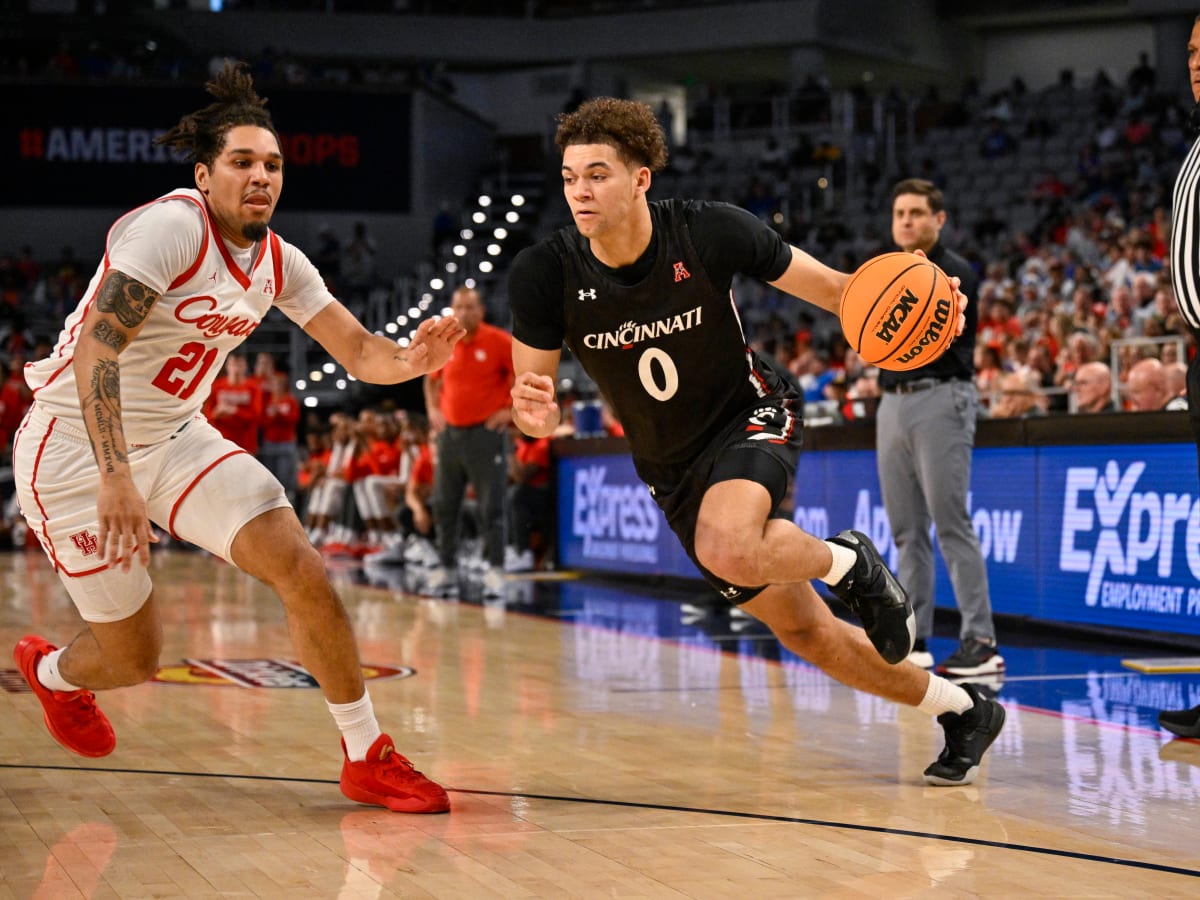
column 259, row 673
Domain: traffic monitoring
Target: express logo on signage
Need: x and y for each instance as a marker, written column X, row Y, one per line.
column 615, row 521
column 1111, row 528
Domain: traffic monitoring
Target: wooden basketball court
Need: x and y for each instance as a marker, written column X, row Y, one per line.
column 596, row 742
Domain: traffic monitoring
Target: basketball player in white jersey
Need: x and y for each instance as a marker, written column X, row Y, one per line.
column 115, row 439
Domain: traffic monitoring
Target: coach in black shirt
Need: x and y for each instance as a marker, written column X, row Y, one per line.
column 925, row 436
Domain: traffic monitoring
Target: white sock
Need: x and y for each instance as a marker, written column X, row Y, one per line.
column 943, row 696
column 843, row 561
column 358, row 725
column 48, row 674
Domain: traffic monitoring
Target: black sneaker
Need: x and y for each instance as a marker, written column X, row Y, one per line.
column 973, row 657
column 874, row 595
column 968, row 735
column 1183, row 722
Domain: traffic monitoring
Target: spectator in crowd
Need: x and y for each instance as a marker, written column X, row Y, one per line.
column 1176, row 375
column 234, row 406
column 925, row 438
column 419, row 549
column 468, row 405
column 328, row 255
column 1148, row 389
column 15, row 400
column 1017, row 397
column 529, row 501
column 280, row 418
column 688, row 399
column 114, row 440
column 1091, row 388
column 310, row 472
column 358, row 267
column 998, row 141
column 377, row 485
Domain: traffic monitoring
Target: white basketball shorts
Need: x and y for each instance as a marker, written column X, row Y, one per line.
column 198, row 486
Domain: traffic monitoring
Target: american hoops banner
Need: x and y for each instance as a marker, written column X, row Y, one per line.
column 92, row 145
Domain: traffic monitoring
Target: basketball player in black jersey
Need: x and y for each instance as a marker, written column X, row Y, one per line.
column 640, row 292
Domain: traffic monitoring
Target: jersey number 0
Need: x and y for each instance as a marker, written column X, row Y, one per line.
column 666, row 369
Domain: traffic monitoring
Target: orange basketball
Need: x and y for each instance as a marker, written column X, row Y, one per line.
column 897, row 310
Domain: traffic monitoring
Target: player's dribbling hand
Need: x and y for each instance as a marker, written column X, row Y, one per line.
column 959, row 296
column 533, row 398
column 432, row 344
column 124, row 525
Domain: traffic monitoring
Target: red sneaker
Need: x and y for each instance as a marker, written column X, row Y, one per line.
column 385, row 778
column 71, row 716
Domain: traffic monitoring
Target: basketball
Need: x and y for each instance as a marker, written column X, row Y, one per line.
column 898, row 312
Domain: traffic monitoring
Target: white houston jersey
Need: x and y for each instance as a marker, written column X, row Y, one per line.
column 208, row 306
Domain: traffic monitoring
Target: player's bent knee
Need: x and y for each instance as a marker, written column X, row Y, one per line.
column 727, row 556
column 137, row 665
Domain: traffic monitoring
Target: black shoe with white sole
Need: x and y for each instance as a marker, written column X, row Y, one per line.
column 968, row 735
column 873, row 594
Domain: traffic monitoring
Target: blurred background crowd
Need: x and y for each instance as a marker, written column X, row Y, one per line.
column 1059, row 196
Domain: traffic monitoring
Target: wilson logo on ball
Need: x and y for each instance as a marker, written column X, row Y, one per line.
column 897, row 311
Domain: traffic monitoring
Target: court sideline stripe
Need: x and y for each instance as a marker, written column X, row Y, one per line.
column 728, row 813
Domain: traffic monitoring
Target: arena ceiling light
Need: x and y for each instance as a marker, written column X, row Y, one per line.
column 512, row 217
column 437, row 284
column 517, row 200
column 479, row 218
column 391, row 327
column 460, row 250
column 486, row 266
column 500, row 233
column 485, row 201
column 328, row 368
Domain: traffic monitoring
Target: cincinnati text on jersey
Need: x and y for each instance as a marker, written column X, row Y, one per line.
column 634, row 333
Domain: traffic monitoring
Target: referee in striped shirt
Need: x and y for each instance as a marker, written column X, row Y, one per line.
column 1185, row 277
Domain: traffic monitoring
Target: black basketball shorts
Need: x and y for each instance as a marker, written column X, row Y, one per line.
column 761, row 445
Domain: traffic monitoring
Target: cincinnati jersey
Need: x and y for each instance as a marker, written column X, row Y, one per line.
column 209, row 305
column 665, row 349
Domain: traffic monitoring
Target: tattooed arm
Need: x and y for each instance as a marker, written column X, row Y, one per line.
column 112, row 322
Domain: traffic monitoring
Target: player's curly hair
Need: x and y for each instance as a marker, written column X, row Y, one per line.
column 202, row 133
column 626, row 125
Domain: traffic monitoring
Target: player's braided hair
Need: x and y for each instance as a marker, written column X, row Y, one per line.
column 627, row 125
column 202, row 133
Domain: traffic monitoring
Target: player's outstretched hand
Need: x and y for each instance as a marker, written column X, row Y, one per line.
column 959, row 296
column 432, row 344
column 533, row 398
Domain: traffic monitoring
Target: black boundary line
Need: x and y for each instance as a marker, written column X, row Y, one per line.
column 627, row 804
